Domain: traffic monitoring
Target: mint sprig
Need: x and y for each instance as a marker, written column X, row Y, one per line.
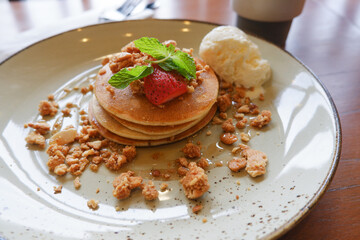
column 173, row 60
column 125, row 76
column 166, row 57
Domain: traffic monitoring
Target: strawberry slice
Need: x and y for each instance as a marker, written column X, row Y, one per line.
column 162, row 86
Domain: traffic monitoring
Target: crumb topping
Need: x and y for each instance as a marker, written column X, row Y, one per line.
column 203, row 163
column 48, row 108
column 256, row 162
column 191, row 150
column 57, row 189
column 262, row 119
column 236, row 164
column 40, row 127
column 93, row 204
column 129, row 152
column 183, row 162
column 244, row 137
column 163, row 186
column 36, row 138
column 66, row 112
column 242, row 123
column 228, row 126
column 77, row 183
column 224, row 102
column 149, row 191
column 228, row 138
column 124, row 183
column 195, row 182
column 182, row 171
column 115, row 161
column 197, row 208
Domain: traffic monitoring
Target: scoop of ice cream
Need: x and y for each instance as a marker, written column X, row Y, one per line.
column 235, row 58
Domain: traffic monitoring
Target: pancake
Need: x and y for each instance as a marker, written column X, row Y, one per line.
column 158, row 130
column 138, row 109
column 115, row 127
column 145, row 143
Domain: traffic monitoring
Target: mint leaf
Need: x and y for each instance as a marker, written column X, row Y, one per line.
column 182, row 63
column 125, row 76
column 186, row 64
column 153, row 47
column 179, row 61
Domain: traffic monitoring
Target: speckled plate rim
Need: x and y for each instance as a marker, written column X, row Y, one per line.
column 292, row 222
column 334, row 164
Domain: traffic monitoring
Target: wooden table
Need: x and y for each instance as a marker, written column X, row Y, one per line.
column 326, row 37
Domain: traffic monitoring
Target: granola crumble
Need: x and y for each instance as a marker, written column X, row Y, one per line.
column 244, row 137
column 256, row 162
column 197, row 208
column 262, row 119
column 48, row 108
column 182, row 171
column 36, row 139
column 149, row 191
column 244, row 109
column 57, row 189
column 203, row 163
column 216, row 121
column 66, row 112
column 224, row 102
column 40, row 127
column 195, row 182
column 93, row 204
column 163, row 186
column 242, row 123
column 60, row 169
column 228, row 138
column 191, row 150
column 223, row 115
column 51, row 97
column 183, row 162
column 129, row 152
column 228, row 126
column 115, row 161
column 236, row 164
column 77, row 183
column 124, row 183
column 110, row 89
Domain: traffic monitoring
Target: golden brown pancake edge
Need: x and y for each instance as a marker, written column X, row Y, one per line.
column 111, row 124
column 158, row 130
column 146, row 143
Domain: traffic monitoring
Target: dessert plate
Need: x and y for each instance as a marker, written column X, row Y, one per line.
column 302, row 143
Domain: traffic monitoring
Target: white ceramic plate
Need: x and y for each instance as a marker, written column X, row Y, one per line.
column 302, row 143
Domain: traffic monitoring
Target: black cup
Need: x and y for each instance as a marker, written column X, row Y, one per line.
column 275, row 32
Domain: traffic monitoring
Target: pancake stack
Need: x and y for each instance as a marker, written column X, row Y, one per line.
column 131, row 119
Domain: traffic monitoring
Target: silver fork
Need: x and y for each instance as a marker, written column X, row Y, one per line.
column 120, row 13
column 128, row 7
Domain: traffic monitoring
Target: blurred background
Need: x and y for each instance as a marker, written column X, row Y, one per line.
column 321, row 22
column 23, row 15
